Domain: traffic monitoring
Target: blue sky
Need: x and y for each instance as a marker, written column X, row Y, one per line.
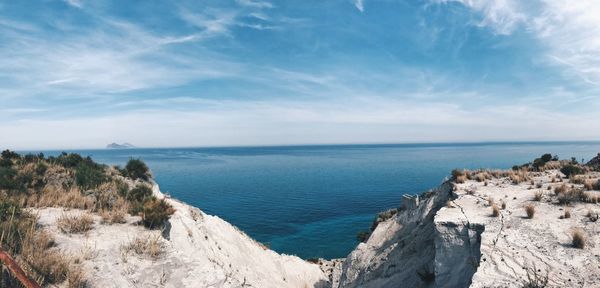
column 81, row 74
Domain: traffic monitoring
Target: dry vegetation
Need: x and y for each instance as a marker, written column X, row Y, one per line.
column 530, row 210
column 495, row 210
column 69, row 181
column 578, row 238
column 75, row 223
column 148, row 245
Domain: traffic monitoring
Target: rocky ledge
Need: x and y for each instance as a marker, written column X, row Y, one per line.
column 487, row 229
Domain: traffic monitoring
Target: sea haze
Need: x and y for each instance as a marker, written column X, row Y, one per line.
column 312, row 200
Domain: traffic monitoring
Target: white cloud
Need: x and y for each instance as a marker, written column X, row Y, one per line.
column 75, row 3
column 360, row 5
column 569, row 30
column 256, row 4
column 116, row 58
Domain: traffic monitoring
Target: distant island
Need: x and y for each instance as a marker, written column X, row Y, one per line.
column 119, row 146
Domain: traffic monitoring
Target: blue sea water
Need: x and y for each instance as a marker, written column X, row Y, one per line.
column 312, row 200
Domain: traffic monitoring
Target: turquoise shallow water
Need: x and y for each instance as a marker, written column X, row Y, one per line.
column 312, row 200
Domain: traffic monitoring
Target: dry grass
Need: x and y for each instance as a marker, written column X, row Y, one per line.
column 578, row 179
column 561, row 189
column 571, row 195
column 530, row 210
column 461, row 179
column 58, row 197
column 480, row 176
column 118, row 214
column 537, row 196
column 589, row 185
column 518, row 176
column 76, row 277
column 152, row 246
column 578, row 238
column 495, row 210
column 42, row 261
column 75, row 223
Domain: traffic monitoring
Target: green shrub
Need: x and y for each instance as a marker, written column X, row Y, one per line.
column 70, row 160
column 8, row 210
column 155, row 212
column 546, row 157
column 40, row 169
column 89, row 175
column 572, row 170
column 122, row 188
column 7, row 154
column 362, row 236
column 136, row 168
column 7, row 178
column 139, row 193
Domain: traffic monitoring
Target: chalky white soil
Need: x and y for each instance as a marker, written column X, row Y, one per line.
column 199, row 250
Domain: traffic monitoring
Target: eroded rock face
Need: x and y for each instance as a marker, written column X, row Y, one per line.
column 453, row 238
column 401, row 250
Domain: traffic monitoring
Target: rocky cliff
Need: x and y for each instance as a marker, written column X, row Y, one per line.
column 478, row 233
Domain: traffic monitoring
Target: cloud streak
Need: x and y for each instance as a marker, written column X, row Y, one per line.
column 570, row 30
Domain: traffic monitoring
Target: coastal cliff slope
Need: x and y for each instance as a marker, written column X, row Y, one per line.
column 194, row 250
column 477, row 233
column 70, row 222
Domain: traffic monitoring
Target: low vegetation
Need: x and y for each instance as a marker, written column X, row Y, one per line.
column 75, row 223
column 535, row 278
column 137, row 169
column 495, row 210
column 71, row 181
column 146, row 245
column 530, row 210
column 578, row 237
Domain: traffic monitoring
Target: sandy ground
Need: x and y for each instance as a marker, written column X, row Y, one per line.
column 196, row 250
column 512, row 241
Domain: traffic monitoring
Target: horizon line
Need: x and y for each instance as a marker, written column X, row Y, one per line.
column 441, row 143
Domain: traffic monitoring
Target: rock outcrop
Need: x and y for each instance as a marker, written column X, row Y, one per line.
column 452, row 238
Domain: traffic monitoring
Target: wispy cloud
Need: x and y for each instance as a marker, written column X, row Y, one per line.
column 360, row 5
column 254, row 3
column 75, row 3
column 570, row 30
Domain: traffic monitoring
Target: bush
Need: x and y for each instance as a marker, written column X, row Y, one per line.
column 41, row 168
column 7, row 178
column 136, row 168
column 70, row 160
column 571, row 170
column 578, row 239
column 495, row 210
column 155, row 212
column 362, row 236
column 75, row 223
column 546, row 157
column 139, row 194
column 8, row 210
column 10, row 155
column 530, row 210
column 89, row 175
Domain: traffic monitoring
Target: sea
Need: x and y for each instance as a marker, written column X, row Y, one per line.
column 311, row 201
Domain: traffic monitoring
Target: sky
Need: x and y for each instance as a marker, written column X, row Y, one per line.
column 82, row 74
